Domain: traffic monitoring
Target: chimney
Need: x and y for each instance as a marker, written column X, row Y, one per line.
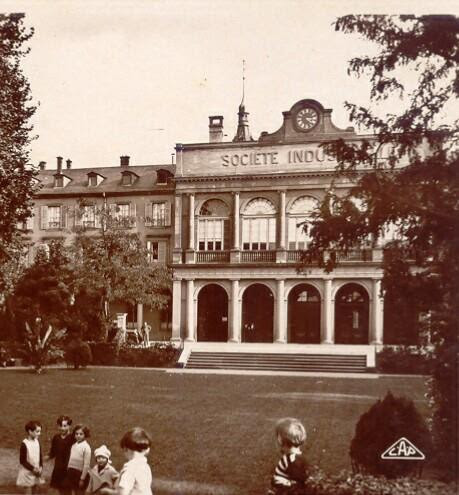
column 42, row 165
column 69, row 164
column 59, row 164
column 215, row 129
column 124, row 161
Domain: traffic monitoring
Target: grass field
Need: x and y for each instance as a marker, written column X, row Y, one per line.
column 211, row 433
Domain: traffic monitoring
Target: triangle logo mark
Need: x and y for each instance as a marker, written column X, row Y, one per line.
column 404, row 450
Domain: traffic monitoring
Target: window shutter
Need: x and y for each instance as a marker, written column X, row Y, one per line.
column 132, row 214
column 78, row 213
column 63, row 217
column 226, row 234
column 148, row 213
column 112, row 209
column 97, row 216
column 44, row 217
column 167, row 214
column 162, row 251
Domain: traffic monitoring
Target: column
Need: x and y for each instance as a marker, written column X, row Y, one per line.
column 281, row 240
column 377, row 311
column 281, row 328
column 236, row 220
column 191, row 221
column 328, row 314
column 235, row 326
column 139, row 316
column 177, row 251
column 190, row 337
column 176, row 310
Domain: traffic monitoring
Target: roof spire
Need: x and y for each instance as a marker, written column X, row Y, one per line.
column 243, row 132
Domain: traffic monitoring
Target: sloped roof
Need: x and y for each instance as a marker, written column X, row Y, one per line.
column 146, row 181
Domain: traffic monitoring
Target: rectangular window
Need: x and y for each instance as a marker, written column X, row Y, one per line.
column 59, row 181
column 54, row 217
column 157, row 214
column 92, row 180
column 153, row 251
column 122, row 210
column 211, row 234
column 297, row 237
column 157, row 251
column 88, row 217
column 259, row 234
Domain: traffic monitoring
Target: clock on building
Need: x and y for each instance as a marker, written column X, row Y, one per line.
column 306, row 119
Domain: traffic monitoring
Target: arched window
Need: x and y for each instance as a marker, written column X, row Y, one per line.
column 299, row 214
column 213, row 226
column 259, row 225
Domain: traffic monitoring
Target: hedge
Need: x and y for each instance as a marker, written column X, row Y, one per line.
column 110, row 354
column 347, row 483
column 404, row 360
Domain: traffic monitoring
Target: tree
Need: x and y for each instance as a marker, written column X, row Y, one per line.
column 17, row 177
column 42, row 304
column 112, row 264
column 413, row 191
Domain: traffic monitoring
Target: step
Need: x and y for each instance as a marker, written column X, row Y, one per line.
column 277, row 362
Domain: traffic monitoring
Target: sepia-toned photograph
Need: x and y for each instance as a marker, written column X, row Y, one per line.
column 229, row 247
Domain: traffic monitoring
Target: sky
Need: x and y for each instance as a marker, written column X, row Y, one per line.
column 135, row 77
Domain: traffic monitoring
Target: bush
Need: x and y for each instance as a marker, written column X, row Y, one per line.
column 404, row 359
column 377, row 429
column 346, row 483
column 159, row 355
column 78, row 354
column 111, row 354
column 104, row 353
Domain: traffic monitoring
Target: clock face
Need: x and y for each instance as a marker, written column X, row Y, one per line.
column 306, row 119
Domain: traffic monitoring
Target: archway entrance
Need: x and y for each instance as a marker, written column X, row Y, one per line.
column 304, row 315
column 351, row 315
column 257, row 314
column 212, row 314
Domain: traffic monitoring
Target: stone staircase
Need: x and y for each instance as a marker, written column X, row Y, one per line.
column 336, row 363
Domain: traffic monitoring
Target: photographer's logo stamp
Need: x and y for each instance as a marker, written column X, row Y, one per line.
column 403, row 449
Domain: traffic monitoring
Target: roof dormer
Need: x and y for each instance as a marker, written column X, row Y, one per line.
column 128, row 177
column 61, row 180
column 94, row 179
column 163, row 176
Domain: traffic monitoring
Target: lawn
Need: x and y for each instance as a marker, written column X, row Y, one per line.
column 211, row 433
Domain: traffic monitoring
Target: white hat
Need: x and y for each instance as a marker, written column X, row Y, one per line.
column 102, row 451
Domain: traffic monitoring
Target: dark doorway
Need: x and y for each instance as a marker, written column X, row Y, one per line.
column 212, row 314
column 351, row 315
column 304, row 315
column 257, row 314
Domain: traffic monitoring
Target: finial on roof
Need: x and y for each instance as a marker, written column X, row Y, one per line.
column 243, row 132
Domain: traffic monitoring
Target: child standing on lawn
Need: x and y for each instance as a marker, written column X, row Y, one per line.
column 135, row 477
column 103, row 474
column 290, row 473
column 61, row 444
column 30, row 459
column 80, row 457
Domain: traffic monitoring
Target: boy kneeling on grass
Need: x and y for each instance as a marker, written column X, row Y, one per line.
column 135, row 476
column 290, row 473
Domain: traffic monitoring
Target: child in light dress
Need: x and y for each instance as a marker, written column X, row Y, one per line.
column 30, row 459
column 103, row 474
column 135, row 477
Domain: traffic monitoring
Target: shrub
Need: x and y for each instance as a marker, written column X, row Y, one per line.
column 404, row 359
column 104, row 353
column 377, row 429
column 346, row 483
column 159, row 355
column 78, row 354
column 41, row 347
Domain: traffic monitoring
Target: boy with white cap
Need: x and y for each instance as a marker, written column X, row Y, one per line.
column 103, row 474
